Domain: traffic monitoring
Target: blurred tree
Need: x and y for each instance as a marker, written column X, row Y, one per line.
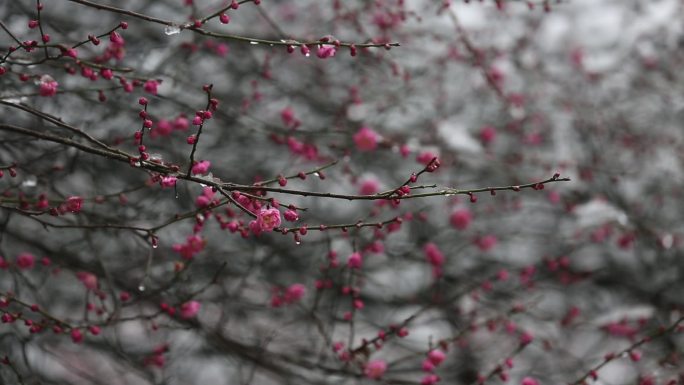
column 341, row 192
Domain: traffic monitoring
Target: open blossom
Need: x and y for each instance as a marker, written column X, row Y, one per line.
column 425, row 157
column 201, row 168
column 74, row 204
column 529, row 381
column 433, row 255
column 189, row 309
column 268, row 219
column 162, row 128
column 366, row 139
column 326, row 51
column 288, row 117
column 48, row 86
column 150, row 87
column 620, row 329
column 89, row 280
column 168, row 181
column 307, row 150
column 369, row 187
column 76, row 336
column 436, row 357
column 460, row 219
column 526, row 338
column 26, row 261
column 193, row 245
column 106, row 73
column 294, row 293
column 205, row 199
column 375, row 369
column 291, row 215
column 486, row 242
column 222, row 49
column 181, row 123
column 487, row 135
column 355, row 260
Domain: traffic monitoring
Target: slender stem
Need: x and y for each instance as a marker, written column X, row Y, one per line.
column 199, row 132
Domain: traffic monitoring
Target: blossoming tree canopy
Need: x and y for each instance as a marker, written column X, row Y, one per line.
column 348, row 192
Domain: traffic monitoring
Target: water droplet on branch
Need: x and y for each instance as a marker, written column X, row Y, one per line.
column 30, row 182
column 172, row 29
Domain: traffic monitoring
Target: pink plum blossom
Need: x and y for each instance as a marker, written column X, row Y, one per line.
column 288, row 117
column 206, row 198
column 326, row 51
column 48, row 86
column 366, row 139
column 433, row 255
column 436, row 357
column 294, row 293
column 201, row 168
column 268, row 219
column 74, row 204
column 369, row 187
column 26, row 261
column 181, row 123
column 487, row 135
column 189, row 309
column 460, row 219
column 355, row 260
column 486, row 242
column 425, row 157
column 375, row 369
column 89, row 280
column 291, row 215
column 168, row 181
column 150, row 87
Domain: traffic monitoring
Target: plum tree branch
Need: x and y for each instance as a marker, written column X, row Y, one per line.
column 245, row 39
